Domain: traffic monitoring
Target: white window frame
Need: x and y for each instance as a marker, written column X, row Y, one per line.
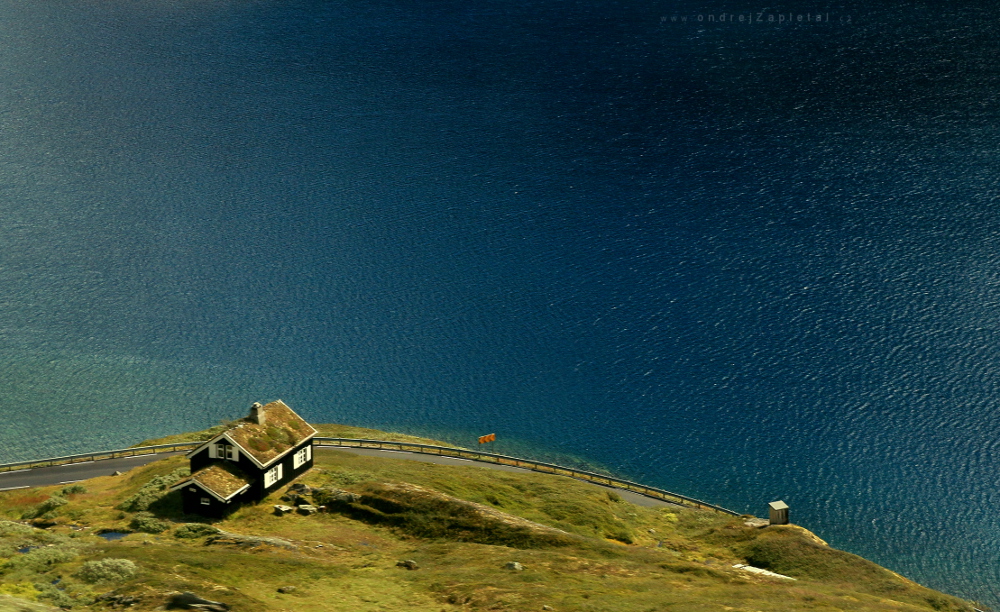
column 301, row 457
column 206, row 501
column 272, row 476
column 232, row 453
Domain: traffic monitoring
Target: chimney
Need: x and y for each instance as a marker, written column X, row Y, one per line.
column 256, row 413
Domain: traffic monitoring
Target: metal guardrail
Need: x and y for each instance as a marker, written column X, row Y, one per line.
column 112, row 454
column 411, row 447
column 538, row 466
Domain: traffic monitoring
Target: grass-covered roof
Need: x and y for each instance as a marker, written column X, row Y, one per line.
column 281, row 430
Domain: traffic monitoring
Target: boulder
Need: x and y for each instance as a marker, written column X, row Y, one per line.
column 189, row 601
column 409, row 564
column 329, row 496
column 286, row 589
column 281, row 510
column 119, row 601
column 308, row 509
column 300, row 489
column 515, row 566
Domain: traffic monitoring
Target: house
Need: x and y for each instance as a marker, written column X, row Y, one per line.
column 246, row 462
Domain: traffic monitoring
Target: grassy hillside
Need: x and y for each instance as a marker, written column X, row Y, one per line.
column 582, row 548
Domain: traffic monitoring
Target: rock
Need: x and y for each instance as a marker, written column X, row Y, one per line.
column 234, row 539
column 119, row 601
column 757, row 523
column 334, row 496
column 514, row 565
column 281, row 510
column 117, row 473
column 409, row 564
column 547, row 608
column 308, row 509
column 286, row 589
column 294, row 499
column 651, row 531
column 189, row 601
column 300, row 489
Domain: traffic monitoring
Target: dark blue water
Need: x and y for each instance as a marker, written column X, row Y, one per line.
column 742, row 261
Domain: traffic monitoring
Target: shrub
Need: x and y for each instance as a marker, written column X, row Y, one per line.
column 195, row 530
column 42, row 559
column 106, row 570
column 146, row 522
column 47, row 507
column 73, row 489
column 11, row 528
column 48, row 592
column 152, row 491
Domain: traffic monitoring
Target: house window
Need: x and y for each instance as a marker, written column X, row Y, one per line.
column 221, row 450
column 205, row 501
column 301, row 457
column 272, row 476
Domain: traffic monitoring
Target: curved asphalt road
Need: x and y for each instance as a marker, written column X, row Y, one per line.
column 74, row 472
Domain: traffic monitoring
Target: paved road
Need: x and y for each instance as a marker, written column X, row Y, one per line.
column 73, row 472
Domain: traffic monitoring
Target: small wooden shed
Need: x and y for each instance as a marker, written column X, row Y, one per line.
column 778, row 513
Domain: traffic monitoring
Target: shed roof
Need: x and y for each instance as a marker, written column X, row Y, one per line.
column 223, row 479
column 282, row 430
column 778, row 505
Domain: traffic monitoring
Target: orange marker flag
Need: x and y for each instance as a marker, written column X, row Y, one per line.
column 487, row 438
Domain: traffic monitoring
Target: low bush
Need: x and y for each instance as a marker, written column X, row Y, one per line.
column 45, row 509
column 106, row 570
column 41, row 559
column 153, row 490
column 147, row 523
column 73, row 489
column 11, row 528
column 50, row 593
column 195, row 530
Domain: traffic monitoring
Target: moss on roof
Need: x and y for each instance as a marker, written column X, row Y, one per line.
column 221, row 478
column 282, row 430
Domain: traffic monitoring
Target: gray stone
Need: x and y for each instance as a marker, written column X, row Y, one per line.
column 308, row 509
column 286, row 589
column 514, row 565
column 547, row 608
column 189, row 601
column 756, row 523
column 281, row 510
column 409, row 564
column 334, row 496
column 300, row 489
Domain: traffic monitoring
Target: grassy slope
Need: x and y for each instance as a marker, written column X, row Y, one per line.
column 618, row 557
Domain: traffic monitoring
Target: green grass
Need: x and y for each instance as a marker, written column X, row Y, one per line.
column 613, row 557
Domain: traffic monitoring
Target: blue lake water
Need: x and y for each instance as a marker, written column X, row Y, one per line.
column 741, row 260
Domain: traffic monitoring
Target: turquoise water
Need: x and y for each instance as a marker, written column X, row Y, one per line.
column 740, row 263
